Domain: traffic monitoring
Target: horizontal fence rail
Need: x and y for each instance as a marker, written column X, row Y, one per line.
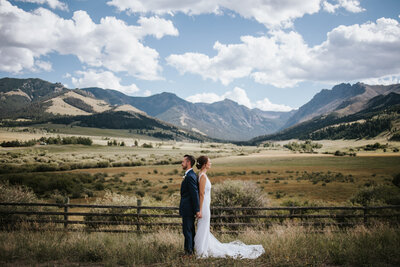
column 96, row 217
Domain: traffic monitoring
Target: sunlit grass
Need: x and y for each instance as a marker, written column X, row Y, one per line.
column 284, row 246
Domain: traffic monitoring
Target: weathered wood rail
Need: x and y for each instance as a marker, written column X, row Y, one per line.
column 138, row 216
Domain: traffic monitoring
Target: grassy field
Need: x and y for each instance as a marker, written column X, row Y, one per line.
column 283, row 175
column 284, row 246
column 154, row 175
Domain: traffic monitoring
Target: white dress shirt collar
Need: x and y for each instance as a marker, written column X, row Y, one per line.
column 188, row 171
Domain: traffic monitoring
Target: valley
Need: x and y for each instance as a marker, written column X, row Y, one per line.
column 102, row 147
column 154, row 173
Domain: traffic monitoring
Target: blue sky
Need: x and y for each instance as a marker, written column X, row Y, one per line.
column 272, row 55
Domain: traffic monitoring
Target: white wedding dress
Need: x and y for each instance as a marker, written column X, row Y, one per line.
column 207, row 245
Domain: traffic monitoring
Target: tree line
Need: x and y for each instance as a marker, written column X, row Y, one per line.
column 368, row 129
column 68, row 140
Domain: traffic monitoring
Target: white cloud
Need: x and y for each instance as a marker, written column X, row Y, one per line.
column 267, row 60
column 238, row 95
column 386, row 80
column 111, row 44
column 330, row 8
column 349, row 5
column 157, row 27
column 266, row 105
column 102, row 79
column 43, row 65
column 283, row 59
column 271, row 13
column 53, row 4
column 357, row 52
column 147, row 93
column 204, row 98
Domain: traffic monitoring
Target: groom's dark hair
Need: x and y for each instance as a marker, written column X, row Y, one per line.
column 191, row 159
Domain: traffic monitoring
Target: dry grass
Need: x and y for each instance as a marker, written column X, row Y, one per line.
column 284, row 245
column 262, row 165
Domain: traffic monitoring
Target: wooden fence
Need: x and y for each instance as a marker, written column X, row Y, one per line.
column 105, row 218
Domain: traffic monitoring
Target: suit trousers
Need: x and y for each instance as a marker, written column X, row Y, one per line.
column 188, row 232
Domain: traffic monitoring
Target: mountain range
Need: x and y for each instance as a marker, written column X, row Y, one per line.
column 343, row 99
column 169, row 116
column 223, row 120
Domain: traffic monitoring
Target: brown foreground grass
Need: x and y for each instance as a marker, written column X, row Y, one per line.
column 284, row 245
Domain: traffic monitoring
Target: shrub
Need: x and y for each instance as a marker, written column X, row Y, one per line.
column 307, row 146
column 15, row 194
column 140, row 193
column 374, row 147
column 47, row 183
column 237, row 194
column 150, row 145
column 396, row 180
column 395, row 137
column 377, row 195
column 99, row 186
column 103, row 164
column 339, row 153
column 116, row 199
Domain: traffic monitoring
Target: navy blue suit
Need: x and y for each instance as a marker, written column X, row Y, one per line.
column 188, row 207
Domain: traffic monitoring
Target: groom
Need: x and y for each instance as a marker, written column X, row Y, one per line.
column 189, row 206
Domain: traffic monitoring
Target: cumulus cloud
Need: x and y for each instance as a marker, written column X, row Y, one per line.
column 267, row 60
column 43, row 65
column 266, row 105
column 271, row 13
column 111, row 44
column 283, row 59
column 158, row 27
column 204, row 98
column 147, row 93
column 268, row 12
column 102, row 79
column 349, row 5
column 53, row 4
column 386, row 80
column 238, row 95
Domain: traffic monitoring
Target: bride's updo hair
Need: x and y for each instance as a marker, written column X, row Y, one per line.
column 201, row 161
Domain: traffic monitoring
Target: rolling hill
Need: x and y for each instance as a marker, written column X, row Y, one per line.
column 380, row 115
column 38, row 101
column 343, row 99
column 342, row 112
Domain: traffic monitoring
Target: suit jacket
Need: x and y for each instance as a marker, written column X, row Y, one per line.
column 190, row 203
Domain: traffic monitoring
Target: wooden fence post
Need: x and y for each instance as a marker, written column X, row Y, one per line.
column 365, row 215
column 139, row 203
column 66, row 212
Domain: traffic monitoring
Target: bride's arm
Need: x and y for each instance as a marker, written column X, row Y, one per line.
column 202, row 187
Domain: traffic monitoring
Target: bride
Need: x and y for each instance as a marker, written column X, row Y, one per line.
column 205, row 243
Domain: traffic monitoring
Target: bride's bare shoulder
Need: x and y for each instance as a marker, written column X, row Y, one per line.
column 202, row 174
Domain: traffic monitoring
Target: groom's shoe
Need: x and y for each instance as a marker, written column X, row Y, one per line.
column 188, row 254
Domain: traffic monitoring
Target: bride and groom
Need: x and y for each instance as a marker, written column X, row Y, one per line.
column 195, row 202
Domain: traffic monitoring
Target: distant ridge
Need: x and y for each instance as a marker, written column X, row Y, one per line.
column 343, row 99
column 223, row 120
column 40, row 100
column 381, row 115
